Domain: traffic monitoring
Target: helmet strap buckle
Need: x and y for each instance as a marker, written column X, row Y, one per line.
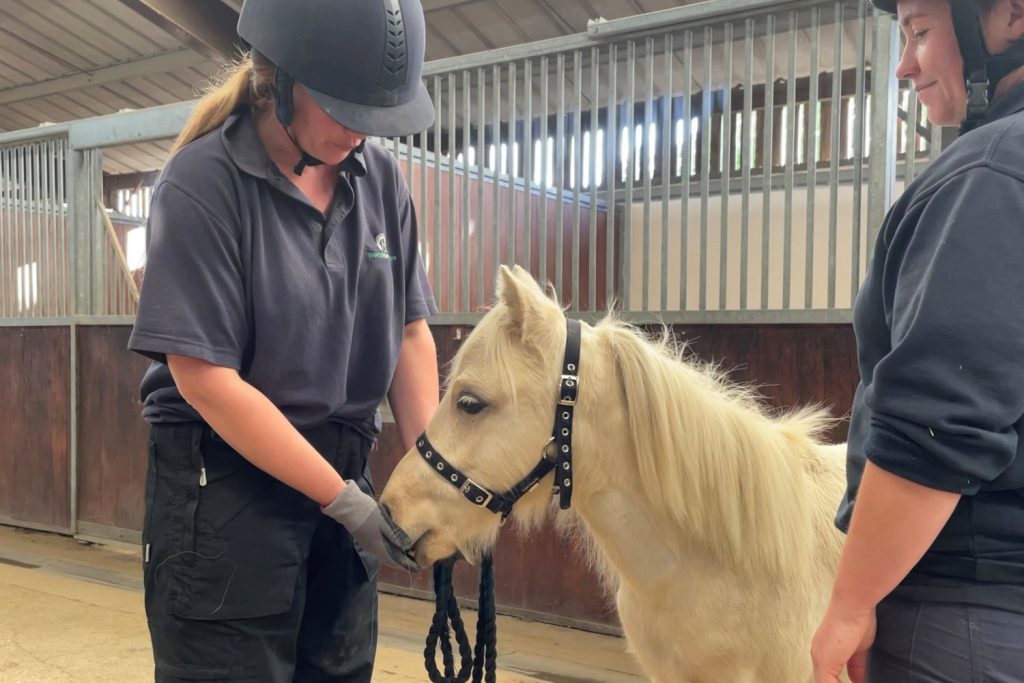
column 977, row 100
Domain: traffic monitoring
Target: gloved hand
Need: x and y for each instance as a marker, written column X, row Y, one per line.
column 371, row 527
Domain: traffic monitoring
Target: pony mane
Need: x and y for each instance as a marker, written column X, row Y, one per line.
column 711, row 457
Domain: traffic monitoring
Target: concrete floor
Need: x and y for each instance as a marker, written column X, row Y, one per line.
column 72, row 612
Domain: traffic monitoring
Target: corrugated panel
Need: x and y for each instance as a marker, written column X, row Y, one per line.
column 41, row 40
column 458, row 27
column 147, row 156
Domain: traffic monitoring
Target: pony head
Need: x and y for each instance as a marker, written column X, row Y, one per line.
column 493, row 424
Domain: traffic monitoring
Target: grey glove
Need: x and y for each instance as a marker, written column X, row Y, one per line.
column 371, row 527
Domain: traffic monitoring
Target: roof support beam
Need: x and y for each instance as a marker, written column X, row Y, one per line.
column 207, row 27
column 168, row 61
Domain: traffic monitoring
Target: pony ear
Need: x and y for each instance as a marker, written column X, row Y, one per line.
column 525, row 303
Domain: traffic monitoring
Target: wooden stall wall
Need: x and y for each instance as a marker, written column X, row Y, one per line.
column 543, row 577
column 35, row 483
column 111, row 434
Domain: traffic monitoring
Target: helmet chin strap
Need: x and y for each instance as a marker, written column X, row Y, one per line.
column 982, row 70
column 284, row 108
column 307, row 159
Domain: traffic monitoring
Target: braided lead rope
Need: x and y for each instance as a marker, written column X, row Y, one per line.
column 481, row 664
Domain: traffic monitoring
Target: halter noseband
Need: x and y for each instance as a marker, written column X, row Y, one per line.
column 561, row 437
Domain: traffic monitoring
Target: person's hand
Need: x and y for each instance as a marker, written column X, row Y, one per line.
column 371, row 527
column 842, row 642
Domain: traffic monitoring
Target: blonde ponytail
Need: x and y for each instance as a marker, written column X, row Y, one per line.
column 247, row 82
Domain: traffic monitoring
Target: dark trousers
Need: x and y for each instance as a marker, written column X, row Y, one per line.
column 932, row 642
column 245, row 578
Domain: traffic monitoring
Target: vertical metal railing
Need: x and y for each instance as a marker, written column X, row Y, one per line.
column 33, row 229
column 714, row 166
column 731, row 165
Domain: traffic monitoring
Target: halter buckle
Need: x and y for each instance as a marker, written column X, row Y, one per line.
column 570, row 385
column 469, row 487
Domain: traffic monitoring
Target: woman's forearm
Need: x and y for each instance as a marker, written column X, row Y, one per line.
column 253, row 426
column 414, row 389
column 894, row 523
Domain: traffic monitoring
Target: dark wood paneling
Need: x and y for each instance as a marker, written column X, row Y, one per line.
column 793, row 365
column 34, row 445
column 111, row 432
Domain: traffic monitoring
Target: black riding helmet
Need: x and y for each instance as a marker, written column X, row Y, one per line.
column 360, row 60
column 982, row 71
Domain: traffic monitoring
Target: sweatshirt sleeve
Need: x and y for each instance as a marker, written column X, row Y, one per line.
column 946, row 397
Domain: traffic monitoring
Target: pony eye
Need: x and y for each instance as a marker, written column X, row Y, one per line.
column 470, row 404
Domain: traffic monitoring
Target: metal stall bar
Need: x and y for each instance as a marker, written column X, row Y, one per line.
column 481, row 156
column 666, row 164
column 24, row 214
column 48, row 240
column 644, row 148
column 768, row 156
column 629, row 161
column 611, row 149
column 424, row 245
column 685, row 165
column 37, row 269
column 10, row 232
column 63, row 216
column 545, row 159
column 811, row 157
column 560, row 175
column 496, row 168
column 705, row 166
column 837, row 93
column 577, row 181
column 884, row 92
column 464, row 257
column 726, row 169
column 6, row 271
column 787, row 239
column 746, row 152
column 85, row 182
column 595, row 101
column 435, row 264
column 528, row 165
column 510, row 253
column 858, row 152
column 451, row 229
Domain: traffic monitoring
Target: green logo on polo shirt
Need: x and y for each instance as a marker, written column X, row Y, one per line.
column 382, row 249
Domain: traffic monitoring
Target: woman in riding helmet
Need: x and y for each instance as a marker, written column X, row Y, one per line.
column 284, row 299
column 930, row 585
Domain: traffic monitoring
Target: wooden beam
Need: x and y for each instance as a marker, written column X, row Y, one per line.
column 207, row 27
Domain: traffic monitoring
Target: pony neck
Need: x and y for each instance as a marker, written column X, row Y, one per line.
column 699, row 458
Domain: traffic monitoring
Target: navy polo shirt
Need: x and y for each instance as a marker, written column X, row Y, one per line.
column 244, row 272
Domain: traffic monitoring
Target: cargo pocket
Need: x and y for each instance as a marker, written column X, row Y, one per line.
column 150, row 503
column 240, row 557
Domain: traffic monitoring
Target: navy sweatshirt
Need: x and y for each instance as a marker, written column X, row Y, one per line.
column 940, row 338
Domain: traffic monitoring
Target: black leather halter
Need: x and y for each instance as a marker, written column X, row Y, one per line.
column 561, row 437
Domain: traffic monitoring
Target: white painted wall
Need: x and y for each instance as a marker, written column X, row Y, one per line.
column 670, row 252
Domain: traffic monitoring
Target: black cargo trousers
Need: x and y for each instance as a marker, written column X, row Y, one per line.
column 245, row 579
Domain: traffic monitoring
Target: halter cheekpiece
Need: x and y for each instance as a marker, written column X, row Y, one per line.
column 561, row 438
